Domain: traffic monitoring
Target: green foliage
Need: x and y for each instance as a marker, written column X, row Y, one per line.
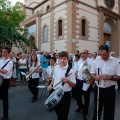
column 10, row 31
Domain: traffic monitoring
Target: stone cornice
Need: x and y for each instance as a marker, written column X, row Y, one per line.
column 28, row 7
column 29, row 19
column 67, row 2
column 83, row 4
column 59, row 4
column 37, row 5
column 108, row 12
column 41, row 4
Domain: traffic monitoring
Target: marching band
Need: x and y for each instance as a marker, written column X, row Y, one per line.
column 64, row 78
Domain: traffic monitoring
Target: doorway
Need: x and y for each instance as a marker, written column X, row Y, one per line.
column 106, row 37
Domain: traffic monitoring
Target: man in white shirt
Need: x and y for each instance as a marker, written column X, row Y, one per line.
column 106, row 72
column 94, row 56
column 6, row 73
column 79, row 86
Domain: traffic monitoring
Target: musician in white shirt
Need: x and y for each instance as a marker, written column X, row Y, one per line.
column 34, row 78
column 79, row 85
column 6, row 73
column 62, row 108
column 50, row 69
column 106, row 72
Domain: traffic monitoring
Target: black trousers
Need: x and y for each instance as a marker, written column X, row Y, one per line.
column 4, row 95
column 32, row 84
column 106, row 99
column 79, row 93
column 118, row 82
column 62, row 108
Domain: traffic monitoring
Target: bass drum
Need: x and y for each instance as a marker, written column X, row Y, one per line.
column 54, row 98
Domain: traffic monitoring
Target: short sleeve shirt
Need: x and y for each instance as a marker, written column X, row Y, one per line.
column 8, row 67
column 59, row 73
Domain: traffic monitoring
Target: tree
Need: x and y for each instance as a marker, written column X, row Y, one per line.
column 11, row 33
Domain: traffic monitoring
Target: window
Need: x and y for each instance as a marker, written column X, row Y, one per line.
column 48, row 8
column 45, row 34
column 107, row 27
column 83, row 27
column 110, row 3
column 60, row 28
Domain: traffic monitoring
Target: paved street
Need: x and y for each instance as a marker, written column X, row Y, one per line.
column 21, row 107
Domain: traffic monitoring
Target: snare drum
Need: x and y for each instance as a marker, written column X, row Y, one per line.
column 54, row 98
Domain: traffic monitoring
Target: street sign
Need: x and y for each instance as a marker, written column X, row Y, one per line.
column 107, row 43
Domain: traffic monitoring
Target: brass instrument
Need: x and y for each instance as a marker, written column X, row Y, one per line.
column 50, row 79
column 84, row 69
column 28, row 76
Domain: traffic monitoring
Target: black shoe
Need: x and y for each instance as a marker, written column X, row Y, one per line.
column 33, row 101
column 85, row 117
column 78, row 110
column 4, row 118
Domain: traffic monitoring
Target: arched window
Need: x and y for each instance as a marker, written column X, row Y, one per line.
column 60, row 28
column 83, row 27
column 107, row 27
column 45, row 33
column 48, row 8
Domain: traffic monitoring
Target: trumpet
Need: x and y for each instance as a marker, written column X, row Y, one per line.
column 28, row 76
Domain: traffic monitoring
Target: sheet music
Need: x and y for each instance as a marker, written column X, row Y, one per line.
column 23, row 73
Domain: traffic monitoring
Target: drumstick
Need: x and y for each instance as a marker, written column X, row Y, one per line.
column 62, row 80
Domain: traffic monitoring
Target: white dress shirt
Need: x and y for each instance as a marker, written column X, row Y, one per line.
column 58, row 74
column 32, row 68
column 109, row 67
column 8, row 67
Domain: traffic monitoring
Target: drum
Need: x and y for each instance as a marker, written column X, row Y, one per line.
column 54, row 98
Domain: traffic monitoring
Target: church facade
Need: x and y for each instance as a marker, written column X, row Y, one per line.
column 70, row 25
